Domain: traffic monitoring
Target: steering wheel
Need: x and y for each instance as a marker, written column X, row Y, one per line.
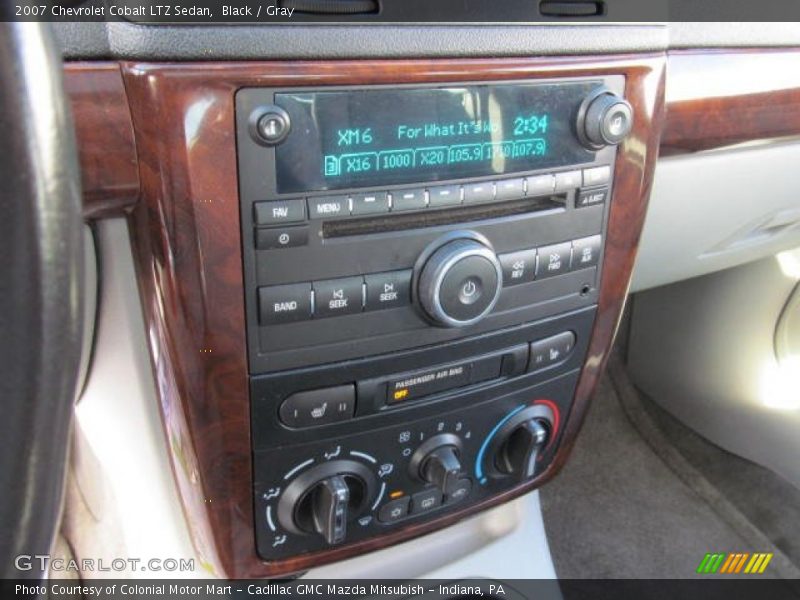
column 41, row 291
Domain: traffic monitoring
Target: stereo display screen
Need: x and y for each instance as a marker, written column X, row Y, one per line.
column 367, row 138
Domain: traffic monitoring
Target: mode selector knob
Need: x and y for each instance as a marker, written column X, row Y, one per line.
column 459, row 283
column 604, row 119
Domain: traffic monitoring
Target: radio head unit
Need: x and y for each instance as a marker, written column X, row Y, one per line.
column 344, row 189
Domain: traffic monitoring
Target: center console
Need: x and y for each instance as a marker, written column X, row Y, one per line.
column 421, row 269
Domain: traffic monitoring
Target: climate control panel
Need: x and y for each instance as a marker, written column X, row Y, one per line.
column 344, row 490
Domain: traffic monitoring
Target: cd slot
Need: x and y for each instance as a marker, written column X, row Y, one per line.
column 436, row 218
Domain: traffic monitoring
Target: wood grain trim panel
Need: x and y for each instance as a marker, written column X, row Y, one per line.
column 721, row 98
column 104, row 135
column 187, row 245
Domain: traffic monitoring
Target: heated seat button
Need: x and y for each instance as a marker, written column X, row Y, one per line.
column 394, row 510
column 550, row 351
column 585, row 252
column 278, row 212
column 319, row 407
column 553, row 260
column 338, row 297
column 518, row 267
column 284, row 303
column 388, row 290
column 426, row 500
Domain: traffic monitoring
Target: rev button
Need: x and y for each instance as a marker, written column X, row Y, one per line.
column 338, row 297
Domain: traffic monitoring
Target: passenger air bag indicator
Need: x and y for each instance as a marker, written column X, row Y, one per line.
column 429, row 382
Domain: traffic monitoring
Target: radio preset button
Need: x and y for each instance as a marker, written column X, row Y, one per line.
column 444, row 195
column 591, row 197
column 284, row 237
column 518, row 267
column 370, row 203
column 278, row 212
column 509, row 189
column 388, row 290
column 335, row 297
column 408, row 200
column 596, row 175
column 553, row 260
column 540, row 185
column 568, row 181
column 319, row 407
column 586, row 252
column 328, row 207
column 284, row 303
column 478, row 192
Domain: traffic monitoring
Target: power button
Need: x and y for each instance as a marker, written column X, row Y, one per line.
column 269, row 125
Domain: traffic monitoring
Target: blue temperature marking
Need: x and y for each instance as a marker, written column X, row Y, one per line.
column 479, row 460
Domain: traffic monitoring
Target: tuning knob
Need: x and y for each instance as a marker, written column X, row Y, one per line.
column 437, row 461
column 604, row 119
column 324, row 499
column 459, row 283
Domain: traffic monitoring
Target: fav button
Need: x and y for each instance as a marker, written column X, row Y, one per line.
column 394, row 510
column 319, row 407
column 278, row 212
column 518, row 267
column 337, row 297
column 284, row 303
column 553, row 260
column 388, row 290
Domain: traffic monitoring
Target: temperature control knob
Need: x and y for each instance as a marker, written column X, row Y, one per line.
column 518, row 452
column 459, row 283
column 604, row 119
column 437, row 461
column 324, row 499
column 513, row 450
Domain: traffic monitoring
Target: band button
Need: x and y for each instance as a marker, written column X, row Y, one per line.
column 284, row 303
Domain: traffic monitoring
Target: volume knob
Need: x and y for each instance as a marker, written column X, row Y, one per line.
column 460, row 283
column 604, row 119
